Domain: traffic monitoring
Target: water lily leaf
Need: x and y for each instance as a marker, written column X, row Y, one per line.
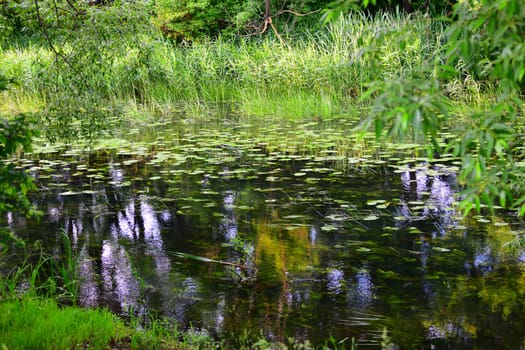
column 130, row 161
column 440, row 249
column 336, row 217
column 414, row 230
column 388, row 274
column 363, row 250
column 294, row 217
column 500, row 224
column 68, row 193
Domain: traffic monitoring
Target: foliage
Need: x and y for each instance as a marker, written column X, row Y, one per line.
column 187, row 20
column 18, row 17
column 11, row 18
column 15, row 134
column 484, row 42
column 190, row 20
column 487, row 40
column 337, row 8
column 98, row 51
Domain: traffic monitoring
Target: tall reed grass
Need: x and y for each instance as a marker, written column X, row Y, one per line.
column 316, row 74
column 36, row 273
column 328, row 65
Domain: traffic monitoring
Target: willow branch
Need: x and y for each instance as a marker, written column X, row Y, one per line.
column 43, row 27
column 298, row 14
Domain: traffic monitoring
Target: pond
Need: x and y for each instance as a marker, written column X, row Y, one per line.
column 249, row 227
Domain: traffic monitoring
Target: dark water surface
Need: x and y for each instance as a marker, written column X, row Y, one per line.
column 333, row 241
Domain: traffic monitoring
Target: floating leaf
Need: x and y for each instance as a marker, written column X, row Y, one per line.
column 442, row 250
column 363, row 250
column 68, row 193
column 500, row 224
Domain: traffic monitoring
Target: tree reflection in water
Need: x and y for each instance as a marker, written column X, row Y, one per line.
column 414, row 272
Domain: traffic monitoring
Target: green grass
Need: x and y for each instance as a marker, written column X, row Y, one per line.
column 318, row 74
column 29, row 323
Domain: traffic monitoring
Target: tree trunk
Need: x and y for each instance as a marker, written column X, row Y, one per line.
column 267, row 8
column 407, row 6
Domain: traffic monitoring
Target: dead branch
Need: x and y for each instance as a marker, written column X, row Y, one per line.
column 298, row 14
column 268, row 21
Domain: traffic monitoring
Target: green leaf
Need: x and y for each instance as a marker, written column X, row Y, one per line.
column 379, row 124
column 487, row 199
column 503, row 198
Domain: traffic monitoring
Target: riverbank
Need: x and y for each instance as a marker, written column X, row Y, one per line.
column 316, row 74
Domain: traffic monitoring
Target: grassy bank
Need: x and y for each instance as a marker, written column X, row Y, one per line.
column 39, row 310
column 31, row 323
column 315, row 74
column 36, row 323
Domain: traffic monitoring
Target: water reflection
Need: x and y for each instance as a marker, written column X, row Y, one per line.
column 434, row 192
column 483, row 261
column 317, row 269
column 89, row 291
column 335, row 281
column 116, row 174
column 361, row 291
column 119, row 284
column 228, row 225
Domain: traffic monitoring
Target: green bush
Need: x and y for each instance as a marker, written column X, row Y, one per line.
column 187, row 20
column 190, row 20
